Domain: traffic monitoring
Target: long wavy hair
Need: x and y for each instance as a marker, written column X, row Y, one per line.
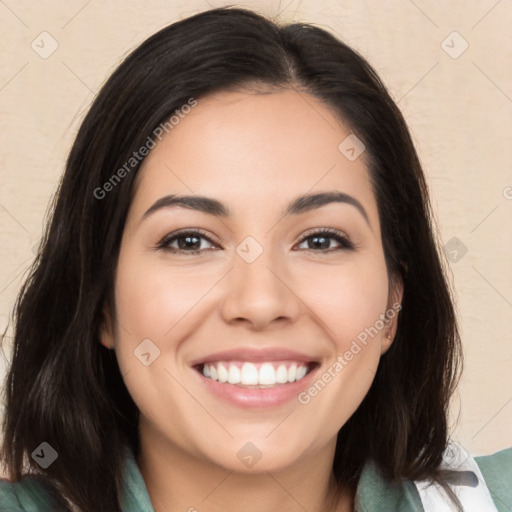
column 64, row 387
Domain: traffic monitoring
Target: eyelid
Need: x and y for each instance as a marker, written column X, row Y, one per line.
column 314, row 231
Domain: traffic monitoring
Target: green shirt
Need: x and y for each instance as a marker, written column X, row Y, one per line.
column 374, row 492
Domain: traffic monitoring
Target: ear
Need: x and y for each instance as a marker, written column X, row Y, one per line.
column 394, row 306
column 106, row 329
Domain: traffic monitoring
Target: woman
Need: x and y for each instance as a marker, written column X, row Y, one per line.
column 239, row 303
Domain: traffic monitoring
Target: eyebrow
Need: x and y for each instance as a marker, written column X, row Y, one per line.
column 299, row 205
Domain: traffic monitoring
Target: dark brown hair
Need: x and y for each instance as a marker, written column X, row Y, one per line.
column 65, row 388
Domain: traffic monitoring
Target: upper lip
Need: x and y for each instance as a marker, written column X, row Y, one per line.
column 255, row 355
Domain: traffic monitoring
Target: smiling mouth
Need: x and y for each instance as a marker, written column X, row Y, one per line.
column 256, row 375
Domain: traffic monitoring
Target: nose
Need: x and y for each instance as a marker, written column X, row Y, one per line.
column 260, row 293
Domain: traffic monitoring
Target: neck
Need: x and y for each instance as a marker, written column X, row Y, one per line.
column 177, row 481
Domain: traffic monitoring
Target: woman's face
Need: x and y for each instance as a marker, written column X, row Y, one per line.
column 238, row 286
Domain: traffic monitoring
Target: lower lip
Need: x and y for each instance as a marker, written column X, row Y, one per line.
column 254, row 397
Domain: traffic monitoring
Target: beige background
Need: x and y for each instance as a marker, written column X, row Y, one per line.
column 459, row 110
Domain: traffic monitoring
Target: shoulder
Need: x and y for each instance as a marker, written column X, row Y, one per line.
column 482, row 481
column 33, row 494
column 497, row 472
column 30, row 494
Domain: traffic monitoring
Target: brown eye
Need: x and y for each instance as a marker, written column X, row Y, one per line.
column 321, row 241
column 189, row 242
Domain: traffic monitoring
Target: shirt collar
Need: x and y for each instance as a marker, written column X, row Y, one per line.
column 135, row 496
column 376, row 493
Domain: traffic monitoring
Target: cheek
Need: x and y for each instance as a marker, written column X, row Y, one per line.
column 347, row 299
column 153, row 300
column 156, row 303
column 154, row 306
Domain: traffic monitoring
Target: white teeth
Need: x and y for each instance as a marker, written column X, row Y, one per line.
column 222, row 373
column 249, row 374
column 234, row 374
column 282, row 374
column 266, row 374
column 301, row 372
column 292, row 373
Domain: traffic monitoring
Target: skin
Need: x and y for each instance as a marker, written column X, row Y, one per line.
column 255, row 153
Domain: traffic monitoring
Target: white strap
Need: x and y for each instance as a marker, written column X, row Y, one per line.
column 471, row 491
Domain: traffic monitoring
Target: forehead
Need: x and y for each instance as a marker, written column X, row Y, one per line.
column 244, row 148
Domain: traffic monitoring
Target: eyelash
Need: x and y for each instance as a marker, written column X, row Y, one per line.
column 338, row 236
